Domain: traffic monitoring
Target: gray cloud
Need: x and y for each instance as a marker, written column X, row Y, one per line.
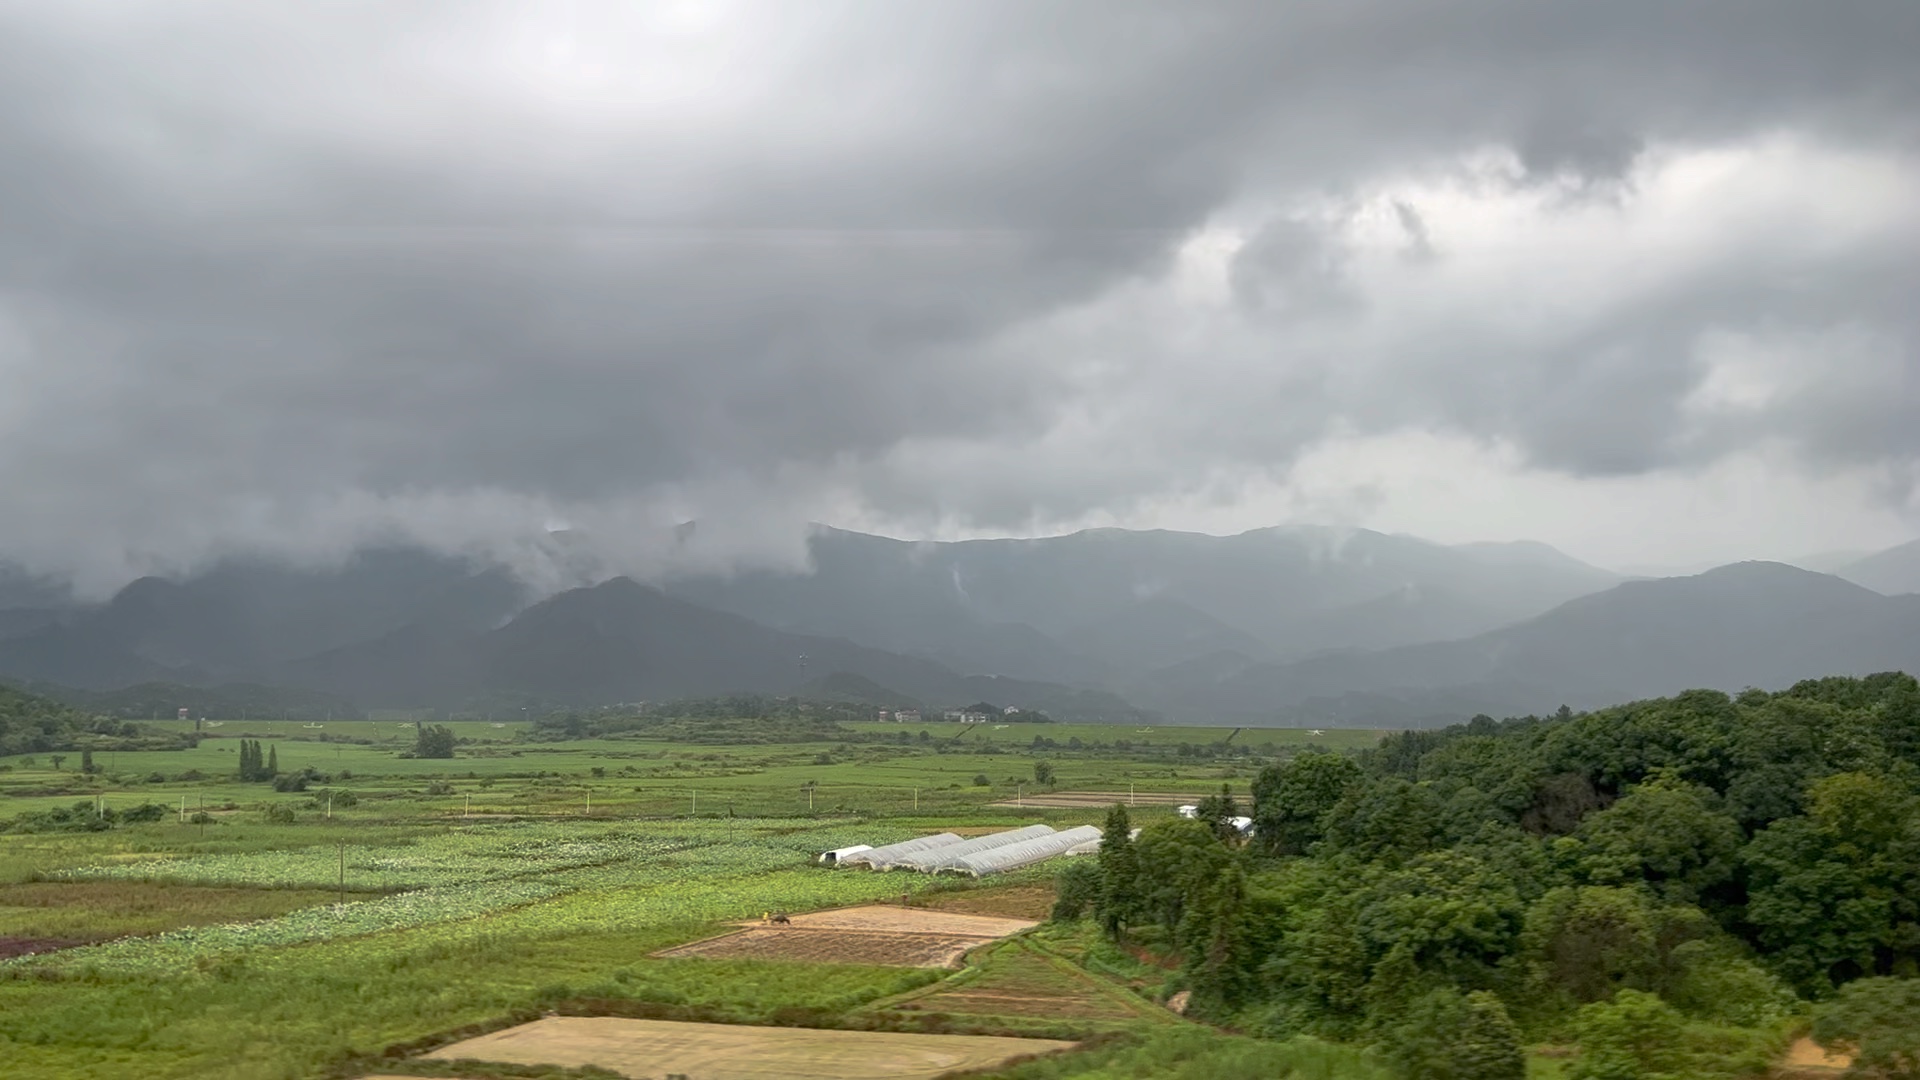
column 287, row 276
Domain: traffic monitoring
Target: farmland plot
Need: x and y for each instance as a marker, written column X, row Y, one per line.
column 730, row 1052
column 873, row 934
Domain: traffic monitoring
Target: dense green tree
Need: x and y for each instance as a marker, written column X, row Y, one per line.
column 1582, row 945
column 1388, row 821
column 1076, row 888
column 1218, row 812
column 434, row 742
column 1177, row 862
column 1119, row 897
column 1217, row 934
column 1665, row 832
column 1835, row 894
column 1043, row 773
column 1292, row 799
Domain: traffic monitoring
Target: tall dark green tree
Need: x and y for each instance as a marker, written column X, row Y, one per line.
column 1118, row 902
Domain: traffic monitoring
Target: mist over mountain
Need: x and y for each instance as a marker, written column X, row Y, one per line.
column 1895, row 571
column 1277, row 625
column 1117, row 600
column 1749, row 624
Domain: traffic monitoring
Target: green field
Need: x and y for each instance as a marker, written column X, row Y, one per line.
column 251, row 932
column 498, row 772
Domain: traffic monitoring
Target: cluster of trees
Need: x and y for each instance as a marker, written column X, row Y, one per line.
column 31, row 725
column 435, row 741
column 1661, row 883
column 257, row 766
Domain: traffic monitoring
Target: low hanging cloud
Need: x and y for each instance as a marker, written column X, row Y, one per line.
column 291, row 278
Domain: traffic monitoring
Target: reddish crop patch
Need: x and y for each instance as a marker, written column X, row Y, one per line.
column 880, row 949
column 25, row 946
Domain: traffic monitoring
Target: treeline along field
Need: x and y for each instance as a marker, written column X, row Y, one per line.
column 1667, row 886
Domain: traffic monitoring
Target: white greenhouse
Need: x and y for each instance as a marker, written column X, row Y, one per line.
column 839, row 855
column 880, row 856
column 942, row 857
column 1013, row 856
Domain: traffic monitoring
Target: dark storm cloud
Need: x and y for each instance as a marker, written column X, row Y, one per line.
column 256, row 259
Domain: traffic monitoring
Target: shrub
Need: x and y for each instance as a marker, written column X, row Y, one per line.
column 1879, row 1021
column 1450, row 1036
column 982, row 780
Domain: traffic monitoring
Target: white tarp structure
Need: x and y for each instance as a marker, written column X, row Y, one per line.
column 837, row 855
column 1024, row 852
column 942, row 857
column 879, row 857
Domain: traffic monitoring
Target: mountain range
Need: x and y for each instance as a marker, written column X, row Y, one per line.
column 1300, row 624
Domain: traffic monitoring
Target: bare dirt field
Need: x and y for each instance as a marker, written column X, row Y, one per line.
column 728, row 1052
column 1806, row 1057
column 876, row 934
column 906, row 920
column 1099, row 800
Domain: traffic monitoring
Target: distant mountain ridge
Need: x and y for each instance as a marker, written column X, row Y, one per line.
column 1894, row 572
column 1296, row 625
column 1101, row 604
column 1747, row 624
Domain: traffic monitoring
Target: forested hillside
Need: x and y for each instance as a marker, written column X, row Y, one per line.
column 1661, row 883
column 31, row 724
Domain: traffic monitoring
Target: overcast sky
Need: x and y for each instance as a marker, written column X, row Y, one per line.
column 1639, row 279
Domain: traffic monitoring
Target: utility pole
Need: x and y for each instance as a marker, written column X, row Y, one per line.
column 916, row 800
column 469, row 808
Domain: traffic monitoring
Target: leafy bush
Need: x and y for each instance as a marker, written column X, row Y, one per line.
column 1878, row 1020
column 1451, row 1036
